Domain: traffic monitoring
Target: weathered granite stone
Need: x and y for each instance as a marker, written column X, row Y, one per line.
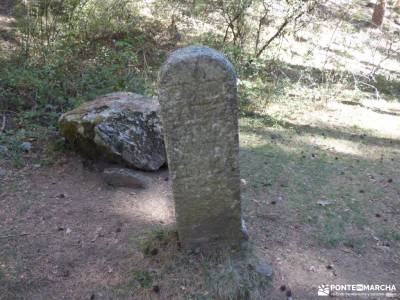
column 122, row 127
column 122, row 177
column 197, row 94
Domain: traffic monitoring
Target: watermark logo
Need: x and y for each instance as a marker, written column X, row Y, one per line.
column 323, row 290
column 361, row 290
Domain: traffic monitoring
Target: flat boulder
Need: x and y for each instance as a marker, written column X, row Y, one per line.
column 122, row 177
column 121, row 127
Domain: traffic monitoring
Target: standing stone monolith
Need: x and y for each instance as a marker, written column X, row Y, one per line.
column 199, row 112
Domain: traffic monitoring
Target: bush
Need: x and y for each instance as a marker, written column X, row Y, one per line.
column 72, row 51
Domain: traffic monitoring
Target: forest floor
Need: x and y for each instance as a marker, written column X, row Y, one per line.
column 321, row 203
column 321, row 198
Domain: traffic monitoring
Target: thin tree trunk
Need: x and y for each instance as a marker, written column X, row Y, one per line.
column 379, row 12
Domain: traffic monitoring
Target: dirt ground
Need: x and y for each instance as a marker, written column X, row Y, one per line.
column 66, row 235
column 71, row 234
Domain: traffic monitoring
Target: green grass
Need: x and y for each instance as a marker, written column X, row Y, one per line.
column 221, row 273
column 280, row 160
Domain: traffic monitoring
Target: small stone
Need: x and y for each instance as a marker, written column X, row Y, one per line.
column 61, row 196
column 156, row 289
column 288, row 293
column 68, row 231
column 26, row 146
column 245, row 232
column 283, row 288
column 390, row 180
column 325, row 202
column 2, row 173
column 264, row 269
column 3, row 149
column 121, row 177
column 377, row 215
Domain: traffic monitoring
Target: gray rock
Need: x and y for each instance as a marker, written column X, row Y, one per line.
column 2, row 173
column 264, row 269
column 3, row 149
column 26, row 146
column 121, row 127
column 198, row 98
column 245, row 232
column 121, row 177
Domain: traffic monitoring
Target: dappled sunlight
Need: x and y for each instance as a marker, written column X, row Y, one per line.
column 377, row 119
column 336, row 145
column 372, row 115
column 334, row 140
column 153, row 205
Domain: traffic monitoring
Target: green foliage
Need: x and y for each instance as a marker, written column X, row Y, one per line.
column 72, row 51
column 144, row 278
column 154, row 239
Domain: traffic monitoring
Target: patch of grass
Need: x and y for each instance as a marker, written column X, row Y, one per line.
column 37, row 128
column 357, row 244
column 390, row 88
column 299, row 165
column 390, row 234
column 333, row 231
column 218, row 273
column 157, row 238
column 233, row 275
column 144, row 278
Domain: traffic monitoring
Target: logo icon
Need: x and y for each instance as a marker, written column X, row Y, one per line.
column 323, row 290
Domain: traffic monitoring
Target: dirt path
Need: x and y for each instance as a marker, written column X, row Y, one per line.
column 77, row 234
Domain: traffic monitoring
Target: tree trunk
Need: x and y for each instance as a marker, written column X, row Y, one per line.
column 379, row 12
